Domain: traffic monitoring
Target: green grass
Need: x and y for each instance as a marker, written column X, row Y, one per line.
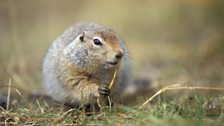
column 194, row 111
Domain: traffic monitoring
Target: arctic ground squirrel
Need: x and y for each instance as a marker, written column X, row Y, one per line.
column 80, row 64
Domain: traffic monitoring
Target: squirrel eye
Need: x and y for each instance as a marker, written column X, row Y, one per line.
column 97, row 42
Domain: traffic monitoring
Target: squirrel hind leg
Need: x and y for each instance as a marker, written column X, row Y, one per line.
column 142, row 83
column 3, row 101
column 137, row 86
column 88, row 108
column 72, row 105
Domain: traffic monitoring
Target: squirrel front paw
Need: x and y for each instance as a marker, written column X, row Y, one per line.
column 104, row 91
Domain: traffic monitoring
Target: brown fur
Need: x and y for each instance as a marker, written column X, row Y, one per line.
column 111, row 40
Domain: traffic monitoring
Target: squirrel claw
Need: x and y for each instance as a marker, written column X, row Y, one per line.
column 104, row 91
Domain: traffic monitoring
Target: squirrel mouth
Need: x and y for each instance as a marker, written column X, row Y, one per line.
column 112, row 63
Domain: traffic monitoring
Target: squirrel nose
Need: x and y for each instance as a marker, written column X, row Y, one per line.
column 119, row 55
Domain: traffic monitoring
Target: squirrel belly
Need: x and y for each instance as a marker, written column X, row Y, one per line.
column 85, row 56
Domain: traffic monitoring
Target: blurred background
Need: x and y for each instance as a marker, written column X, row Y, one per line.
column 170, row 41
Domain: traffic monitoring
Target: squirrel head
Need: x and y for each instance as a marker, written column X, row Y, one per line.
column 99, row 49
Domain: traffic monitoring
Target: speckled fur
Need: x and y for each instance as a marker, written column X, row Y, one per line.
column 73, row 70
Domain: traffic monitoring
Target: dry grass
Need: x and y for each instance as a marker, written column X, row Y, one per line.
column 198, row 110
column 178, row 87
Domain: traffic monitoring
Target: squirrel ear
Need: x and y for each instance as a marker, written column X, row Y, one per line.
column 81, row 38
